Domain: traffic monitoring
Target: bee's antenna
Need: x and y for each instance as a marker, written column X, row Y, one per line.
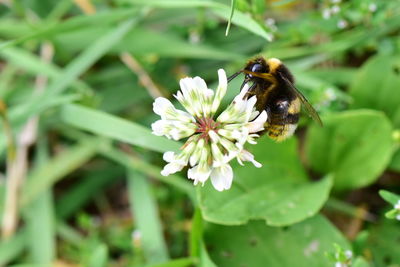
column 233, row 76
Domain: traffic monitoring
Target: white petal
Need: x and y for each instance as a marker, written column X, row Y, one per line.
column 258, row 124
column 214, row 136
column 160, row 105
column 221, row 177
column 218, row 157
column 397, row 205
column 245, row 155
column 199, row 84
column 199, row 174
column 169, row 156
column 221, row 90
column 172, row 167
column 160, row 127
column 195, row 157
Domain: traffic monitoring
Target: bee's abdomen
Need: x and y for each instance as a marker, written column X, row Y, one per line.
column 282, row 125
column 280, row 132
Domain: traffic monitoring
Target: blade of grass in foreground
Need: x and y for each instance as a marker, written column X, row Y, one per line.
column 74, row 69
column 40, row 220
column 182, row 262
column 108, row 125
column 13, row 247
column 145, row 212
column 240, row 19
column 99, row 257
column 56, row 168
column 144, row 167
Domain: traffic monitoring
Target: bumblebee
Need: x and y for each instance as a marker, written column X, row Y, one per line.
column 273, row 84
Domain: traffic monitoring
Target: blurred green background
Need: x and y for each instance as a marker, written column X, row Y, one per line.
column 80, row 177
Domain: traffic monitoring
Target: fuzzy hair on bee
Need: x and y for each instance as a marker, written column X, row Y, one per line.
column 273, row 84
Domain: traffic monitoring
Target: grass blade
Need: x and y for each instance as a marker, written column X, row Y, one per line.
column 78, row 66
column 46, row 175
column 145, row 212
column 13, row 247
column 105, row 124
column 40, row 219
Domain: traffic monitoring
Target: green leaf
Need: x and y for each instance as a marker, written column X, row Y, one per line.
column 355, row 146
column 256, row 244
column 376, row 86
column 278, row 192
column 145, row 213
column 389, row 196
column 104, row 124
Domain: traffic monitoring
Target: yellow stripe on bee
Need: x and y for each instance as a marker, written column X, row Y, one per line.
column 273, row 64
column 281, row 132
column 294, row 106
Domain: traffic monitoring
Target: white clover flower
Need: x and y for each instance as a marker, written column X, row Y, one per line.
column 372, row 7
column 212, row 143
column 335, row 9
column 342, row 24
column 397, row 205
column 326, row 13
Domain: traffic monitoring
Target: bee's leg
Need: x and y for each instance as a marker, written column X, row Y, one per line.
column 251, row 91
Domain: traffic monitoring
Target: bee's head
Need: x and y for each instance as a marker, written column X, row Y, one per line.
column 258, row 65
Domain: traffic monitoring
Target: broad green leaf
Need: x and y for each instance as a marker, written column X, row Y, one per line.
column 146, row 216
column 256, row 244
column 355, row 146
column 278, row 192
column 376, row 86
column 104, row 124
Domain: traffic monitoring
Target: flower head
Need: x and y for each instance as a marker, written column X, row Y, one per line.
column 212, row 141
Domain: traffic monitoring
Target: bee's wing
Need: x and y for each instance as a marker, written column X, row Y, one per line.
column 310, row 110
